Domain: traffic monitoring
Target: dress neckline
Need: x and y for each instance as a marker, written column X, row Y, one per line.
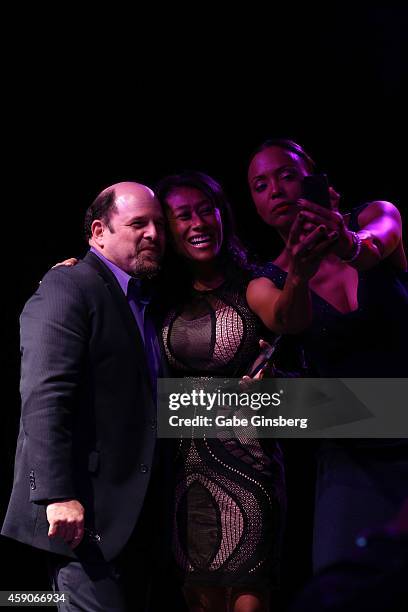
column 321, row 299
column 205, row 291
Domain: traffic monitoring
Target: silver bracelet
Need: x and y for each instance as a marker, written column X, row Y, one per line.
column 356, row 248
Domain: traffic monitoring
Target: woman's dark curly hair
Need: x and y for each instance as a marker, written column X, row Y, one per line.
column 233, row 257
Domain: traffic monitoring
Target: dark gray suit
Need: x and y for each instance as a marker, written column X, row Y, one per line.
column 88, row 423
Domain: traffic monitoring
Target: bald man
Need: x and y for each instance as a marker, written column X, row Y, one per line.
column 90, row 360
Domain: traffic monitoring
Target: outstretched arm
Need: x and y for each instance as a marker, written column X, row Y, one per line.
column 289, row 311
column 379, row 236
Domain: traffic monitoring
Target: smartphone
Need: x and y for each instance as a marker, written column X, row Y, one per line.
column 316, row 189
column 263, row 358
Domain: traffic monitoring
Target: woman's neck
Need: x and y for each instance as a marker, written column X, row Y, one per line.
column 207, row 276
column 282, row 260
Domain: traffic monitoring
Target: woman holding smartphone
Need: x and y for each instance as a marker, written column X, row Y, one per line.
column 350, row 314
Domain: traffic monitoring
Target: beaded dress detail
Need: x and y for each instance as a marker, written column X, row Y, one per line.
column 229, row 494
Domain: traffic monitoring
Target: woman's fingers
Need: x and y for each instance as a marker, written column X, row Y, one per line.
column 317, row 242
column 334, row 198
column 296, row 231
column 246, row 382
column 306, row 205
column 332, row 219
column 324, row 247
column 259, row 375
column 312, row 218
column 308, row 227
column 317, row 235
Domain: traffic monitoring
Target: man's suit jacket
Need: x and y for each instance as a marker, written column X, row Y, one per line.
column 88, row 421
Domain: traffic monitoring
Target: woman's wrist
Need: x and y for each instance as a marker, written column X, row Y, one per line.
column 296, row 279
column 349, row 248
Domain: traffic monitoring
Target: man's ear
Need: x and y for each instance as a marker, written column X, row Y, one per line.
column 97, row 229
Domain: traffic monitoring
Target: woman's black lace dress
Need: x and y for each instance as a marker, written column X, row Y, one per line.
column 230, row 493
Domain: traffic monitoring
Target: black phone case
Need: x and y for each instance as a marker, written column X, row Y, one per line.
column 316, row 189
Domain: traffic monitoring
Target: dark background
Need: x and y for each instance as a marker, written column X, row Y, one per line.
column 97, row 100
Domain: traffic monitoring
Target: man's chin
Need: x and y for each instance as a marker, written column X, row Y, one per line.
column 149, row 268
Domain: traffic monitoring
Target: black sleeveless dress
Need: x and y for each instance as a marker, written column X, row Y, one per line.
column 230, row 493
column 361, row 483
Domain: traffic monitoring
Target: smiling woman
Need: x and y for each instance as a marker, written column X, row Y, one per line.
column 195, row 224
column 230, row 493
column 202, row 230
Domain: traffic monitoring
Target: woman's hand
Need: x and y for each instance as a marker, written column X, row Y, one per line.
column 314, row 215
column 306, row 250
column 247, row 382
column 72, row 261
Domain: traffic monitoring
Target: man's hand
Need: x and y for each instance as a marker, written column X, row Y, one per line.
column 66, row 519
column 72, row 261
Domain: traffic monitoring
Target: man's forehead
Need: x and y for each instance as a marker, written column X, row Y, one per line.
column 134, row 189
column 128, row 200
column 131, row 196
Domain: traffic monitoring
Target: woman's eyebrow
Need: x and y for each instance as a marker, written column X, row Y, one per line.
column 188, row 206
column 258, row 176
column 280, row 169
